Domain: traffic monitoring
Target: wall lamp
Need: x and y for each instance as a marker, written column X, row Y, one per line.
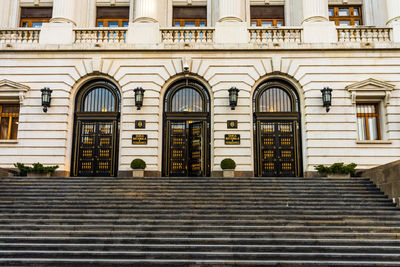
column 327, row 98
column 46, row 98
column 233, row 97
column 139, row 95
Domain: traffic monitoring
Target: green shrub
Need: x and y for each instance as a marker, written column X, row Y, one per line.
column 228, row 164
column 337, row 168
column 138, row 164
column 36, row 168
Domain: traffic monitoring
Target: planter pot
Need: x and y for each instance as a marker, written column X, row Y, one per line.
column 38, row 175
column 338, row 176
column 138, row 173
column 229, row 173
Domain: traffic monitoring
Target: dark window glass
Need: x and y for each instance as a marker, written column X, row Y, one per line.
column 275, row 100
column 99, row 100
column 187, row 100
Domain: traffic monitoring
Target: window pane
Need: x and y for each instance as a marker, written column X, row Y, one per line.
column 344, row 12
column 331, row 12
column 373, row 129
column 266, row 23
column 279, row 23
column 125, row 24
column 14, row 128
column 187, row 100
column 4, row 128
column 99, row 100
column 113, row 24
column 344, row 23
column 100, row 24
column 356, row 13
column 362, row 134
column 254, row 23
column 357, row 23
column 177, row 24
column 190, row 24
column 275, row 100
column 36, row 24
column 25, row 25
column 202, row 23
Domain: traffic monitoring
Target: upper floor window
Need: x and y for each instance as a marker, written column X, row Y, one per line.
column 9, row 122
column 345, row 15
column 368, row 121
column 112, row 17
column 194, row 16
column 267, row 16
column 34, row 17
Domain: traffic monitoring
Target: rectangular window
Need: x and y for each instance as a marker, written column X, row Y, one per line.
column 267, row 16
column 368, row 122
column 345, row 15
column 112, row 17
column 34, row 17
column 194, row 16
column 9, row 115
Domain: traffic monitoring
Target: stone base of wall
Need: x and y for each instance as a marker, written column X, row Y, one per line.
column 128, row 174
column 243, row 174
column 387, row 179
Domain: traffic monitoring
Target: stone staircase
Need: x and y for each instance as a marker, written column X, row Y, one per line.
column 196, row 222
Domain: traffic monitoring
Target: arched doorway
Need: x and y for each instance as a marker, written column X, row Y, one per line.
column 186, row 150
column 96, row 130
column 277, row 139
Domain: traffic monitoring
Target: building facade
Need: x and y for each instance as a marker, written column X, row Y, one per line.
column 238, row 79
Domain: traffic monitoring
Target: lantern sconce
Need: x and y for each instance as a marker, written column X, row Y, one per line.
column 139, row 95
column 46, row 98
column 327, row 98
column 233, row 97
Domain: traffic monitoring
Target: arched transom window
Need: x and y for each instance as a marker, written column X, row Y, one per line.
column 99, row 96
column 275, row 97
column 187, row 97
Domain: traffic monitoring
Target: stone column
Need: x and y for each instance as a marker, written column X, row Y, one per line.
column 316, row 24
column 146, row 11
column 393, row 10
column 9, row 14
column 64, row 11
column 60, row 28
column 230, row 10
column 145, row 27
column 231, row 27
column 315, row 10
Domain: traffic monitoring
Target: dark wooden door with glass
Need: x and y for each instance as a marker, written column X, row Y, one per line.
column 186, row 136
column 277, row 143
column 96, row 130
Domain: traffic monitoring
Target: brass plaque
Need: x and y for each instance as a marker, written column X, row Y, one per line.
column 232, row 139
column 140, row 124
column 232, row 124
column 139, row 139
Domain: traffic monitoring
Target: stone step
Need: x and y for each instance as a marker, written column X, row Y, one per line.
column 201, row 228
column 272, row 222
column 202, row 241
column 197, row 247
column 199, row 234
column 209, row 255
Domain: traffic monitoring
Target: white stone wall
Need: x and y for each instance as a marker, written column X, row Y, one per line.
column 327, row 137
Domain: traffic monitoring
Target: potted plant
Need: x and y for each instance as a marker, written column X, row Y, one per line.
column 138, row 166
column 37, row 170
column 337, row 170
column 228, row 166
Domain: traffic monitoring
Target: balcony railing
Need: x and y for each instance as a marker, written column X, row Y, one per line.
column 275, row 35
column 363, row 34
column 100, row 35
column 22, row 35
column 187, row 35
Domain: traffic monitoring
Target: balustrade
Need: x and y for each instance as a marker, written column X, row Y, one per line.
column 275, row 35
column 100, row 35
column 187, row 35
column 363, row 34
column 19, row 36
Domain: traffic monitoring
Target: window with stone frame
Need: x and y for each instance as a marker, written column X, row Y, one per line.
column 9, row 114
column 193, row 16
column 267, row 16
column 368, row 122
column 112, row 17
column 345, row 15
column 34, row 17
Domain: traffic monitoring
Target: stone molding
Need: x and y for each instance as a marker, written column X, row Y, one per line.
column 370, row 88
column 12, row 92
